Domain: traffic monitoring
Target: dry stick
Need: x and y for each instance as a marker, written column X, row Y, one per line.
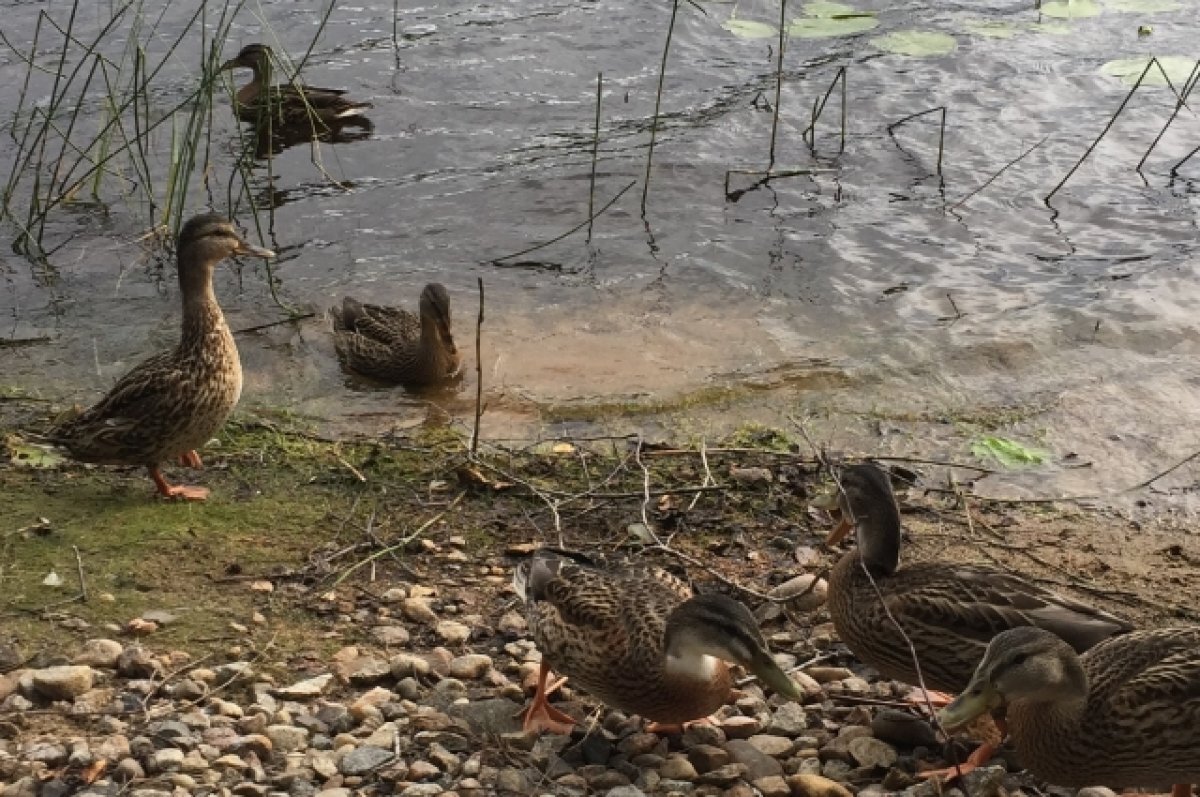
column 778, row 82
column 996, row 176
column 83, row 595
column 1103, row 132
column 941, row 136
column 268, row 325
column 576, row 228
column 819, row 108
column 403, row 542
column 1188, row 85
column 595, row 152
column 708, row 479
column 662, row 75
column 1186, row 158
column 478, row 373
column 659, row 545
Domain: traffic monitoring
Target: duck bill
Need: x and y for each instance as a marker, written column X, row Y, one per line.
column 250, row 250
column 978, row 699
column 769, row 673
column 831, row 504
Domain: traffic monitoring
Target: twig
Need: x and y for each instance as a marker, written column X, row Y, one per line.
column 345, row 464
column 83, row 593
column 403, row 542
column 478, row 373
column 996, row 176
column 778, row 81
column 289, row 320
column 1103, row 132
column 1188, row 85
column 819, row 108
column 595, row 152
column 941, row 136
column 576, row 228
column 708, row 479
column 662, row 75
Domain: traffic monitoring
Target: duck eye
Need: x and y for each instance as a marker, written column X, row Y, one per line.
column 1018, row 659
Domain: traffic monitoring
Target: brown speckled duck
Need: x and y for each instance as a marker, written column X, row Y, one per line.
column 638, row 639
column 393, row 345
column 291, row 106
column 949, row 611
column 172, row 404
column 1125, row 714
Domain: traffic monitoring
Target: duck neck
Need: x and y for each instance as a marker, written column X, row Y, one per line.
column 879, row 543
column 432, row 345
column 201, row 313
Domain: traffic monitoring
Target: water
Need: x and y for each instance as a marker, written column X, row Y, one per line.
column 862, row 296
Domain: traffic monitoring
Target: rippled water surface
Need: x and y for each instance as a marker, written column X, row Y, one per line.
column 894, row 307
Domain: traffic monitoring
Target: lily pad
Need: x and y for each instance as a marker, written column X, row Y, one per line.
column 1143, row 6
column 917, row 43
column 992, row 29
column 750, row 29
column 1177, row 67
column 824, row 19
column 1008, row 453
column 1070, row 9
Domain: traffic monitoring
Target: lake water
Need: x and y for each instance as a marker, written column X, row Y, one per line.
column 865, row 297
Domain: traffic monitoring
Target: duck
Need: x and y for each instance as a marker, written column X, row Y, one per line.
column 949, row 611
column 1125, row 714
column 321, row 113
column 173, row 403
column 393, row 345
column 638, row 639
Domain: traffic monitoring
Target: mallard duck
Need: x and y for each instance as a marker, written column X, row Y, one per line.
column 638, row 639
column 393, row 345
column 949, row 612
column 291, row 106
column 1125, row 714
column 174, row 402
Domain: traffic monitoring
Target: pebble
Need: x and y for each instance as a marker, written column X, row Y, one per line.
column 306, row 689
column 418, row 610
column 362, row 760
column 102, row 653
column 64, row 682
column 287, row 738
column 453, row 632
column 471, row 666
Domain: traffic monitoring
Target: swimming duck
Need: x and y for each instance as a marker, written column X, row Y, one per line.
column 949, row 611
column 638, row 639
column 1125, row 714
column 291, row 106
column 393, row 345
column 172, row 404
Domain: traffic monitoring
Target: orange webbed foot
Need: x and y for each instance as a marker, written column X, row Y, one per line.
column 926, row 697
column 981, row 756
column 540, row 716
column 181, row 491
column 191, row 459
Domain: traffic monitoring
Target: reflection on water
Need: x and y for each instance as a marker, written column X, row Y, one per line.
column 862, row 295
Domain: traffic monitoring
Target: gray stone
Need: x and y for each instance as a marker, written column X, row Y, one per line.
column 758, row 764
column 706, row 757
column 362, row 760
column 723, row 776
column 422, row 790
column 471, row 666
column 169, row 759
column 390, row 634
column 871, row 752
column 677, row 767
column 65, row 682
column 810, row 785
column 287, row 738
column 418, row 610
column 51, row 754
column 790, row 719
column 774, row 746
column 99, row 653
column 453, row 632
column 511, row 780
column 136, row 662
column 306, row 689
column 902, row 729
column 625, row 791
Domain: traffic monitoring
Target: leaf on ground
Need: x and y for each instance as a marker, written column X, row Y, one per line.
column 24, row 454
column 1008, row 453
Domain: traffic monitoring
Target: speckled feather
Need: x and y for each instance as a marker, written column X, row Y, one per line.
column 1140, row 725
column 604, row 629
column 949, row 612
column 393, row 345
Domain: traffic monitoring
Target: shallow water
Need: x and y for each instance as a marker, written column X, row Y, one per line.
column 862, row 296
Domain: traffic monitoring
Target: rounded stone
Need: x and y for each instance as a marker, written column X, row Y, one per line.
column 65, row 682
column 100, row 653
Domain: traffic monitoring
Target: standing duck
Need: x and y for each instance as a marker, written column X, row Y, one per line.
column 638, row 639
column 173, row 403
column 1125, row 714
column 949, row 612
column 393, row 345
column 291, row 106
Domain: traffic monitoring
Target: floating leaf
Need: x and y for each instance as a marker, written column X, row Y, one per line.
column 1142, row 6
column 1008, row 453
column 917, row 43
column 823, row 18
column 1177, row 67
column 749, row 29
column 991, row 29
column 1070, row 9
column 822, row 27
